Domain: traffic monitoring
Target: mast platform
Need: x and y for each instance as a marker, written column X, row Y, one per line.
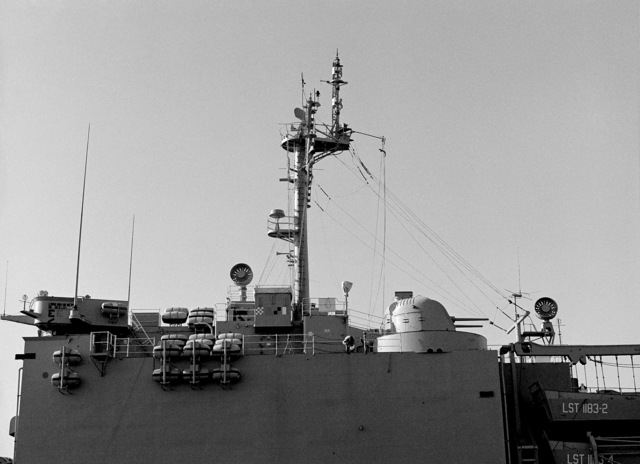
column 294, row 142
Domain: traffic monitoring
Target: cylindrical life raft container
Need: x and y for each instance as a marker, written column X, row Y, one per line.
column 201, row 316
column 197, row 347
column 113, row 308
column 168, row 348
column 175, row 315
column 226, row 373
column 199, row 375
column 171, row 375
column 70, row 356
column 68, row 380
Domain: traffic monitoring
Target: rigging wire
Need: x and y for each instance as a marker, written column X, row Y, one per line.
column 403, row 211
column 382, row 275
column 383, row 162
column 402, row 220
column 442, row 291
column 268, row 267
column 406, row 219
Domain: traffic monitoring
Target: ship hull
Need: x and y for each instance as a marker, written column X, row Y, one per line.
column 372, row 408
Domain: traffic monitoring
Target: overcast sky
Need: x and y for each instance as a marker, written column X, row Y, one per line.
column 512, row 132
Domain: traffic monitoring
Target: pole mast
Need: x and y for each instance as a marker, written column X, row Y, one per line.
column 336, row 103
column 302, row 192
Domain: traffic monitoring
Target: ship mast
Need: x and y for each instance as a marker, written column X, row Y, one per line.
column 309, row 143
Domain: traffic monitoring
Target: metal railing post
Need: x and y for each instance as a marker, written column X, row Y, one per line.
column 164, row 362
column 62, row 369
column 15, row 424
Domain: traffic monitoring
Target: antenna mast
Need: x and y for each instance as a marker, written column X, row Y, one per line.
column 308, row 148
column 6, row 282
column 133, row 227
column 336, row 103
column 74, row 310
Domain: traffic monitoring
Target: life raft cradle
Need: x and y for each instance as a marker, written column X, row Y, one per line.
column 228, row 345
column 195, row 370
column 225, row 374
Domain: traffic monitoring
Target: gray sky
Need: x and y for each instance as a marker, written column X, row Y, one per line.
column 511, row 128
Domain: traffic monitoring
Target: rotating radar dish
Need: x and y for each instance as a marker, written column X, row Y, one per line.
column 241, row 274
column 546, row 308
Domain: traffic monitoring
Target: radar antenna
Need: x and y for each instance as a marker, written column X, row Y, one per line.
column 242, row 275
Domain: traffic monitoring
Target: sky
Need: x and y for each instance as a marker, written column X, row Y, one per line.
column 511, row 137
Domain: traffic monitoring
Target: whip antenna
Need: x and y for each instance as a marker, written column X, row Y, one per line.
column 133, row 227
column 74, row 310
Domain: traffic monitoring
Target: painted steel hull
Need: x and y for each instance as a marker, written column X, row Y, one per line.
column 292, row 408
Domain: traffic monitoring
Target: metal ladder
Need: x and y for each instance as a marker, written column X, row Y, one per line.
column 138, row 329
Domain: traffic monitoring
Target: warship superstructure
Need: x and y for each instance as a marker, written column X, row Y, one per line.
column 276, row 375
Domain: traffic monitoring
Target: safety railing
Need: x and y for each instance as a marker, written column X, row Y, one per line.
column 102, row 344
column 608, row 374
column 324, row 307
column 224, row 314
column 286, row 344
column 108, row 345
column 277, row 344
column 613, row 374
column 134, row 347
column 235, row 293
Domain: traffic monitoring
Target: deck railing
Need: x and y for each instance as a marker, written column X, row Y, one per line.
column 286, row 344
column 615, row 374
column 108, row 345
